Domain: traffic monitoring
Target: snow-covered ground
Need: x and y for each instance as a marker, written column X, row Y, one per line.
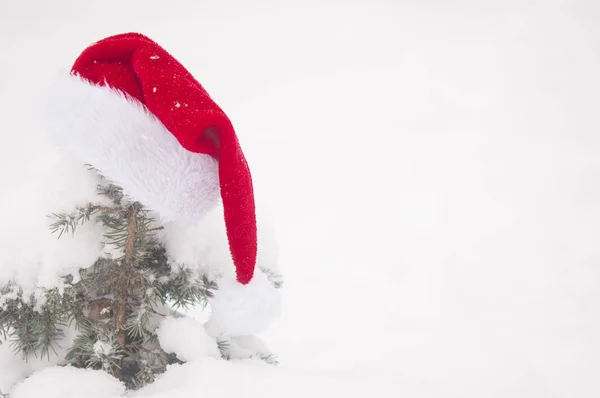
column 430, row 170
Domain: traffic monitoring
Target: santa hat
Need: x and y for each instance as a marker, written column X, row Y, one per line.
column 137, row 115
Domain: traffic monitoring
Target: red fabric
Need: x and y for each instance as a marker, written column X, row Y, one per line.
column 139, row 67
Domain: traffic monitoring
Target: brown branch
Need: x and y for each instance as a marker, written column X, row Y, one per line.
column 96, row 309
column 131, row 228
column 156, row 229
column 121, row 319
column 28, row 336
column 126, row 265
column 95, row 208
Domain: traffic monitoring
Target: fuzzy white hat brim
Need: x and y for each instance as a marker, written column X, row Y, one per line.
column 131, row 147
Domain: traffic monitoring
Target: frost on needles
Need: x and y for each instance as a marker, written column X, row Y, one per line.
column 115, row 305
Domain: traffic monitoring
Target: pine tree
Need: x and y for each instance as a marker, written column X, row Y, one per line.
column 115, row 304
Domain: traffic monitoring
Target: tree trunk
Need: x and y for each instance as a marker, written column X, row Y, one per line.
column 126, row 273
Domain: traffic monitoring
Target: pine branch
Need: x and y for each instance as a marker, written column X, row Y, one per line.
column 223, row 346
column 113, row 192
column 66, row 223
column 115, row 304
column 270, row 359
column 275, row 278
column 184, row 290
column 32, row 327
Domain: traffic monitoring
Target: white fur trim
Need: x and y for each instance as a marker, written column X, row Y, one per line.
column 241, row 310
column 131, row 147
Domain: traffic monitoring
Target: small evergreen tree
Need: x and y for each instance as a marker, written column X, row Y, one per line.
column 115, row 304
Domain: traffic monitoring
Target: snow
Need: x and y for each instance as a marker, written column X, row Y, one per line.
column 429, row 171
column 15, row 368
column 30, row 255
column 69, row 382
column 187, row 338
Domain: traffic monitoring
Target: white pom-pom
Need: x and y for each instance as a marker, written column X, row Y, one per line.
column 241, row 310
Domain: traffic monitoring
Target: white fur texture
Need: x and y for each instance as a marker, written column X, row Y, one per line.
column 131, row 147
column 242, row 310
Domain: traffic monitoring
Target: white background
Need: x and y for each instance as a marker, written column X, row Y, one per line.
column 431, row 170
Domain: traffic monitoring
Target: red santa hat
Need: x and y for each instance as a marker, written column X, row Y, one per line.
column 137, row 115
